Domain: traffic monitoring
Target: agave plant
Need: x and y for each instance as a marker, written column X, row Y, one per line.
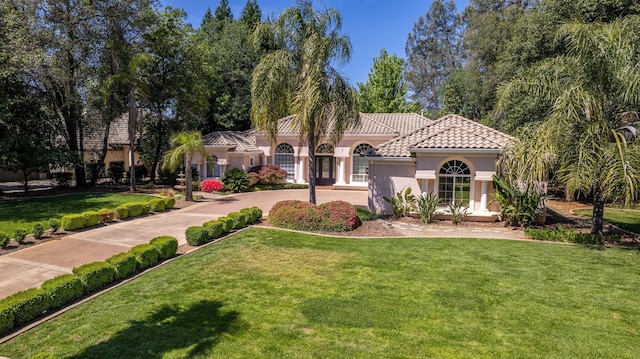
column 426, row 206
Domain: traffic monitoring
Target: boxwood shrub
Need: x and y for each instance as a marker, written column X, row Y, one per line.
column 197, row 235
column 63, row 289
column 135, row 209
column 239, row 219
column 157, row 204
column 27, row 305
column 167, row 246
column 169, row 202
column 95, row 275
column 122, row 211
column 215, row 228
column 71, row 222
column 146, row 207
column 6, row 317
column 106, row 215
column 38, row 230
column 227, row 223
column 146, row 255
column 124, row 263
column 4, row 240
column 91, row 218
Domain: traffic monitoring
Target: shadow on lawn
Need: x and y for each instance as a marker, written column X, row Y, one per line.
column 197, row 329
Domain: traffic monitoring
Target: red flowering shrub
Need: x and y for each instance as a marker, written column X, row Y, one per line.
column 211, row 185
column 336, row 216
column 268, row 174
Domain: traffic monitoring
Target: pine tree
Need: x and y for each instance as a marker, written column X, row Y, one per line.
column 251, row 14
column 222, row 15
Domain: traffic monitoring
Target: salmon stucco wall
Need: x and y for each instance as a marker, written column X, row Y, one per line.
column 386, row 178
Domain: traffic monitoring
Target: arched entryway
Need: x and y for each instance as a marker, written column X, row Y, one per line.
column 325, row 165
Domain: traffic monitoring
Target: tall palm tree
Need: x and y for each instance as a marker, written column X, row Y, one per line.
column 298, row 78
column 594, row 87
column 183, row 146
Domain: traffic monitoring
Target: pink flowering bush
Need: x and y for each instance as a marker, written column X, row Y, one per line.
column 211, row 185
column 336, row 216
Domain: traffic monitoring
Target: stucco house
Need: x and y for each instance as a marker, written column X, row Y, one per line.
column 452, row 156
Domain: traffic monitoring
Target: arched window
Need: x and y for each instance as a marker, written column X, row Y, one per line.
column 283, row 157
column 324, row 149
column 454, row 182
column 360, row 165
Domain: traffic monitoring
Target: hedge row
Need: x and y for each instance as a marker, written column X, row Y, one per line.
column 335, row 216
column 25, row 306
column 198, row 235
column 73, row 222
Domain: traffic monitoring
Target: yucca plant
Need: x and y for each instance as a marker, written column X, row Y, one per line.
column 458, row 210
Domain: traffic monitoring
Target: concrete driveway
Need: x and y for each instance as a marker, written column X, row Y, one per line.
column 30, row 267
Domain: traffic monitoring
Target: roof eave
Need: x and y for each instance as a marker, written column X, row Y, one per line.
column 456, row 150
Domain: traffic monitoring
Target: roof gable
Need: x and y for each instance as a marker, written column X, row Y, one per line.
column 239, row 141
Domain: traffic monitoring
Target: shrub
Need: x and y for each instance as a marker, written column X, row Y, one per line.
column 106, row 215
column 517, row 207
column 54, row 224
column 167, row 246
column 38, row 230
column 122, row 211
column 338, row 216
column 4, row 240
column 146, row 255
column 20, row 234
column 235, row 180
column 227, row 224
column 7, row 317
column 564, row 234
column 250, row 214
column 238, row 218
column 95, row 275
column 458, row 210
column 91, row 218
column 364, row 214
column 197, row 235
column 334, row 216
column 135, row 209
column 124, row 263
column 179, row 197
column 63, row 289
column 61, row 179
column 268, row 174
column 115, row 171
column 426, row 205
column 211, row 185
column 157, row 204
column 27, row 305
column 169, row 202
column 402, row 203
column 215, row 228
column 258, row 212
column 72, row 222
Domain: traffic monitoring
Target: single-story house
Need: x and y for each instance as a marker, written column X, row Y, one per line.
column 118, row 150
column 452, row 156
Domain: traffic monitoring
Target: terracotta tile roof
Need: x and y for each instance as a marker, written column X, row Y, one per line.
column 448, row 132
column 370, row 124
column 238, row 141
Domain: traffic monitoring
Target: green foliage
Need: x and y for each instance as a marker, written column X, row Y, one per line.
column 54, row 224
column 167, row 246
column 157, row 205
column 27, row 305
column 183, row 146
column 239, row 219
column 91, row 218
column 197, row 235
column 106, row 215
column 235, row 180
column 169, row 202
column 20, row 235
column 570, row 235
column 335, row 216
column 71, row 222
column 38, row 230
column 215, row 228
column 426, row 205
column 227, row 224
column 365, row 214
column 457, row 210
column 7, row 318
column 402, row 203
column 124, row 263
column 4, row 240
column 42, row 355
column 146, row 255
column 134, row 209
column 517, row 208
column 95, row 275
column 122, row 211
column 254, row 214
column 63, row 289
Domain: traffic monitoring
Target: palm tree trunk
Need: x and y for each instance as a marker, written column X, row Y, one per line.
column 312, row 166
column 188, row 178
column 597, row 220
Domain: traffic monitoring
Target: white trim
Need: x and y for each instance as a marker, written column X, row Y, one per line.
column 466, row 151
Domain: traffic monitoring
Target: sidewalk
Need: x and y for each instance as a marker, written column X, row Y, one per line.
column 31, row 266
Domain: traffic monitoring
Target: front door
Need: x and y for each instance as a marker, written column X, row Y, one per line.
column 324, row 170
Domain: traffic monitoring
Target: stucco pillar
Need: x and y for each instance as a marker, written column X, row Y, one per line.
column 263, row 160
column 300, row 172
column 483, row 196
column 341, row 171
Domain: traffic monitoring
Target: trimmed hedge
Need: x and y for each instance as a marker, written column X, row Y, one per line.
column 28, row 305
column 63, row 289
column 146, row 255
column 124, row 263
column 122, row 211
column 227, row 224
column 71, row 222
column 169, row 202
column 197, row 235
column 7, row 318
column 239, row 219
column 107, row 215
column 167, row 246
column 91, row 218
column 95, row 275
column 135, row 209
column 157, row 205
column 215, row 228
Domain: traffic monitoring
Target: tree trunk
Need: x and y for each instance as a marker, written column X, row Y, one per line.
column 597, row 220
column 312, row 165
column 157, row 154
column 188, row 178
column 25, row 181
column 103, row 154
column 132, row 137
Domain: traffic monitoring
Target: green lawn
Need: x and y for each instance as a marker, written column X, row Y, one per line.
column 25, row 213
column 270, row 294
column 628, row 219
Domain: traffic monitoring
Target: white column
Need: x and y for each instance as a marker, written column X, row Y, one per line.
column 341, row 170
column 483, row 198
column 263, row 160
column 425, row 185
column 300, row 176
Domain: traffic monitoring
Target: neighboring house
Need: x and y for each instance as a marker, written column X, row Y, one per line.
column 117, row 145
column 453, row 157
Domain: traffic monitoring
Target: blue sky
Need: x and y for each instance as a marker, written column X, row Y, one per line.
column 371, row 24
